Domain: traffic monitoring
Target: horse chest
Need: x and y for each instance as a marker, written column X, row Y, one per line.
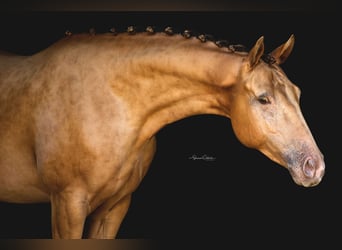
column 124, row 178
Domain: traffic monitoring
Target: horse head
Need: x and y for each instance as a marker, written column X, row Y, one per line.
column 266, row 114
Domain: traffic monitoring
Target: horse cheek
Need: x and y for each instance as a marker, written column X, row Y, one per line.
column 242, row 125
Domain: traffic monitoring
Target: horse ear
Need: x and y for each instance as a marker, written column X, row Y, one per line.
column 281, row 53
column 256, row 52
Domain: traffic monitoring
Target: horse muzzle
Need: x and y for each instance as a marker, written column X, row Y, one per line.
column 309, row 172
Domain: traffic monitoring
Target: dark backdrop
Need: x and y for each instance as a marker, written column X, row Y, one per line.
column 242, row 194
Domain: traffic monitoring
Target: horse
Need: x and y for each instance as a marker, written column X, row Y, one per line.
column 78, row 119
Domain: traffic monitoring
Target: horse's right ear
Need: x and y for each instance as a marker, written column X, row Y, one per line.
column 255, row 53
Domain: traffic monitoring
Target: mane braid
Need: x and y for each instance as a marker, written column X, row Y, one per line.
column 186, row 33
column 267, row 58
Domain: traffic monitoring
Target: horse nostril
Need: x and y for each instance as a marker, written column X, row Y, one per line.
column 309, row 168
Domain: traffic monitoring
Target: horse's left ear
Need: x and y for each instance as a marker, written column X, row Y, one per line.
column 281, row 53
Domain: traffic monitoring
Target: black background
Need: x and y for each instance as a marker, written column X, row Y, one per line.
column 241, row 196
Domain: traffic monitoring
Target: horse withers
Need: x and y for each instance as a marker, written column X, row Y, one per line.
column 78, row 119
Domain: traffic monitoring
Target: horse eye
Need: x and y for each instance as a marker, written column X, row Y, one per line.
column 263, row 99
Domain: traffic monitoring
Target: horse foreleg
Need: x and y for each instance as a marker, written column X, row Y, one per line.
column 106, row 220
column 68, row 211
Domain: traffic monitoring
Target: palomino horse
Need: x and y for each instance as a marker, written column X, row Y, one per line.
column 78, row 120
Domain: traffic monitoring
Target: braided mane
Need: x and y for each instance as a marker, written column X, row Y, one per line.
column 132, row 30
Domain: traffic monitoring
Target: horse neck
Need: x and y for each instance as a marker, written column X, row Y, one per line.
column 175, row 78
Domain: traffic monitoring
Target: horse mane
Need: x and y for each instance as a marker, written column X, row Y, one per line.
column 186, row 33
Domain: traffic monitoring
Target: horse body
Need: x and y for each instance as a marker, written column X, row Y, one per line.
column 78, row 119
